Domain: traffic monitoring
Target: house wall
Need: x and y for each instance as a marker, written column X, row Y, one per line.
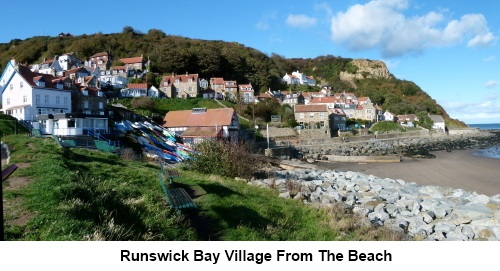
column 312, row 117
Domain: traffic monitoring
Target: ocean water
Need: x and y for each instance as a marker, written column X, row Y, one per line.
column 488, row 126
column 493, row 152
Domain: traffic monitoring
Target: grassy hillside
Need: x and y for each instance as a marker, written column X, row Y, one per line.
column 80, row 194
column 9, row 125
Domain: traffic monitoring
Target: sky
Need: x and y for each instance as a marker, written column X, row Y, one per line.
column 450, row 48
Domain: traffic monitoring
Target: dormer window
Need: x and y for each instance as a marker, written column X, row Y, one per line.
column 85, row 92
column 40, row 83
column 59, row 86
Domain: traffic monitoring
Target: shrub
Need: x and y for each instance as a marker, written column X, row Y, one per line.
column 223, row 158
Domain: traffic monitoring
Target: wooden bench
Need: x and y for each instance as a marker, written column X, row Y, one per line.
column 177, row 198
column 7, row 171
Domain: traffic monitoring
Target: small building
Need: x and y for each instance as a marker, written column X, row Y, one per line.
column 70, row 124
column 199, row 124
column 438, row 122
column 313, row 116
column 139, row 90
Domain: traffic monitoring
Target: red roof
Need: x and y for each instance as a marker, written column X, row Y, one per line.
column 138, row 86
column 311, row 108
column 322, row 100
column 184, row 78
column 132, row 60
column 217, row 81
column 208, row 118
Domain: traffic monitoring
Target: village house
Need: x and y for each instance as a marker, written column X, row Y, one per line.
column 298, row 78
column 388, row 116
column 200, row 124
column 58, row 65
column 345, row 98
column 208, row 93
column 217, row 84
column 367, row 111
column 247, row 94
column 292, row 99
column 26, row 94
column 313, row 116
column 438, row 123
column 338, row 120
column 51, row 103
column 140, row 90
column 180, row 86
column 349, row 109
column 407, row 120
column 102, row 60
column 328, row 101
column 136, row 66
column 230, row 89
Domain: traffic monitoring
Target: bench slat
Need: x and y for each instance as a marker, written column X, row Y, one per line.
column 7, row 171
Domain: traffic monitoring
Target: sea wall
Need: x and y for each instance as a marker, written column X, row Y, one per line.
column 419, row 146
column 422, row 212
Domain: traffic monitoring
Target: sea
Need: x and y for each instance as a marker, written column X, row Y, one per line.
column 494, row 151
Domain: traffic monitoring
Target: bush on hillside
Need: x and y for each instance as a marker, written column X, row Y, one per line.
column 224, row 159
column 386, row 126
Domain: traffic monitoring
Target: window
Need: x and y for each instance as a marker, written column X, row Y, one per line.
column 37, row 99
column 8, row 101
column 301, row 115
column 321, row 124
column 71, row 123
column 65, row 100
column 21, row 84
column 311, row 115
column 11, row 86
column 46, row 99
column 101, row 105
column 85, row 104
column 58, row 99
column 322, row 114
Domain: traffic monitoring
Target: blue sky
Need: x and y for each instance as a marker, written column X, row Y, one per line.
column 450, row 48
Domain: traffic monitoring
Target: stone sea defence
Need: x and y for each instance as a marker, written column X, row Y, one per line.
column 416, row 146
column 422, row 212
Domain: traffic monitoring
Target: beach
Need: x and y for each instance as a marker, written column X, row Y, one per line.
column 461, row 169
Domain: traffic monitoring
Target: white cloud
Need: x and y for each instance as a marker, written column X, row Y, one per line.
column 492, row 84
column 489, row 58
column 300, row 20
column 382, row 24
column 485, row 111
column 263, row 24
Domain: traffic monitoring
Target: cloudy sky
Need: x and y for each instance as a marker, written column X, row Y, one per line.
column 450, row 48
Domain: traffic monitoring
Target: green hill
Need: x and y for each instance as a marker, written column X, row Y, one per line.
column 230, row 60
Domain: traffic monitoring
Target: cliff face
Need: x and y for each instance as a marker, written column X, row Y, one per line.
column 366, row 69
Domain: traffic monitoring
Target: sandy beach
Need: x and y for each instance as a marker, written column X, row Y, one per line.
column 457, row 169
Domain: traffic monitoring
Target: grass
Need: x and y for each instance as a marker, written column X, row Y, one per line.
column 9, row 126
column 79, row 194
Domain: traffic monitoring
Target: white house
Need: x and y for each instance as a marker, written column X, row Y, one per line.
column 439, row 123
column 139, row 90
column 388, row 116
column 299, row 78
column 26, row 94
column 116, row 81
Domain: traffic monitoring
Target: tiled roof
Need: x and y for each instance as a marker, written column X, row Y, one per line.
column 210, row 118
column 322, row 100
column 132, row 60
column 337, row 111
column 311, row 108
column 436, row 118
column 138, row 86
column 31, row 77
column 183, row 78
column 217, row 81
column 119, row 68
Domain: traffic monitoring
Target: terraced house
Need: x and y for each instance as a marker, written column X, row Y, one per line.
column 180, row 86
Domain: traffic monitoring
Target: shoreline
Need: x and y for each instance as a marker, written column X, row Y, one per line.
column 459, row 169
